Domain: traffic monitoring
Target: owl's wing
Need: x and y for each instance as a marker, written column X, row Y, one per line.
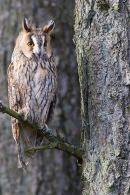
column 24, row 135
column 14, row 97
column 13, row 90
column 51, row 110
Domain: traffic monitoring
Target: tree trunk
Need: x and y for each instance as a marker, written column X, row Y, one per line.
column 102, row 37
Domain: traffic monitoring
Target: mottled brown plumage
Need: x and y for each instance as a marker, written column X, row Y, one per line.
column 32, row 85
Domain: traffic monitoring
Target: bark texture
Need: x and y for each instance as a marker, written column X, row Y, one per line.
column 51, row 172
column 102, row 34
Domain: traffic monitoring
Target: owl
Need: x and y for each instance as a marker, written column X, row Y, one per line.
column 32, row 86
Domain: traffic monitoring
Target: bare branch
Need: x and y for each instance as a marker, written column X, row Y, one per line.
column 56, row 142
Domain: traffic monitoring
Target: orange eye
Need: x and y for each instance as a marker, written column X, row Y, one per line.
column 30, row 44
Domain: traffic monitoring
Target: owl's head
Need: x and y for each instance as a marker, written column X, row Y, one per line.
column 36, row 41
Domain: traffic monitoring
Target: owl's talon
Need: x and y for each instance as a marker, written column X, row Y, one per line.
column 47, row 128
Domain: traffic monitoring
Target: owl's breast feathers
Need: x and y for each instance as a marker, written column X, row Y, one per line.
column 33, row 88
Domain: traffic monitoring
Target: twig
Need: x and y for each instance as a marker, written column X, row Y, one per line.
column 55, row 141
column 43, row 147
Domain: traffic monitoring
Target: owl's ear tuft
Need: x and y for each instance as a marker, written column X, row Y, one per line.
column 49, row 27
column 26, row 25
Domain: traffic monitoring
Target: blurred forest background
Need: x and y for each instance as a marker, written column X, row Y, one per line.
column 51, row 172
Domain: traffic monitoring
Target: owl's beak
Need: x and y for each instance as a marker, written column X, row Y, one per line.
column 39, row 54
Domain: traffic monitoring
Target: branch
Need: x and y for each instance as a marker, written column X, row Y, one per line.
column 56, row 142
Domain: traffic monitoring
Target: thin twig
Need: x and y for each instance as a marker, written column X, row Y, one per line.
column 55, row 141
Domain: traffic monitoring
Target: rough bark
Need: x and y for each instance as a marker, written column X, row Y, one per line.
column 50, row 172
column 102, row 35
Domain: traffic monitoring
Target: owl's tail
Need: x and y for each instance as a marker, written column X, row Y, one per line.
column 26, row 137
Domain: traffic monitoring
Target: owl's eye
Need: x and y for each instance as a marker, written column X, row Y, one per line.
column 30, row 44
column 45, row 43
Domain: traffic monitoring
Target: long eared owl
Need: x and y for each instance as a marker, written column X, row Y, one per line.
column 32, row 85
